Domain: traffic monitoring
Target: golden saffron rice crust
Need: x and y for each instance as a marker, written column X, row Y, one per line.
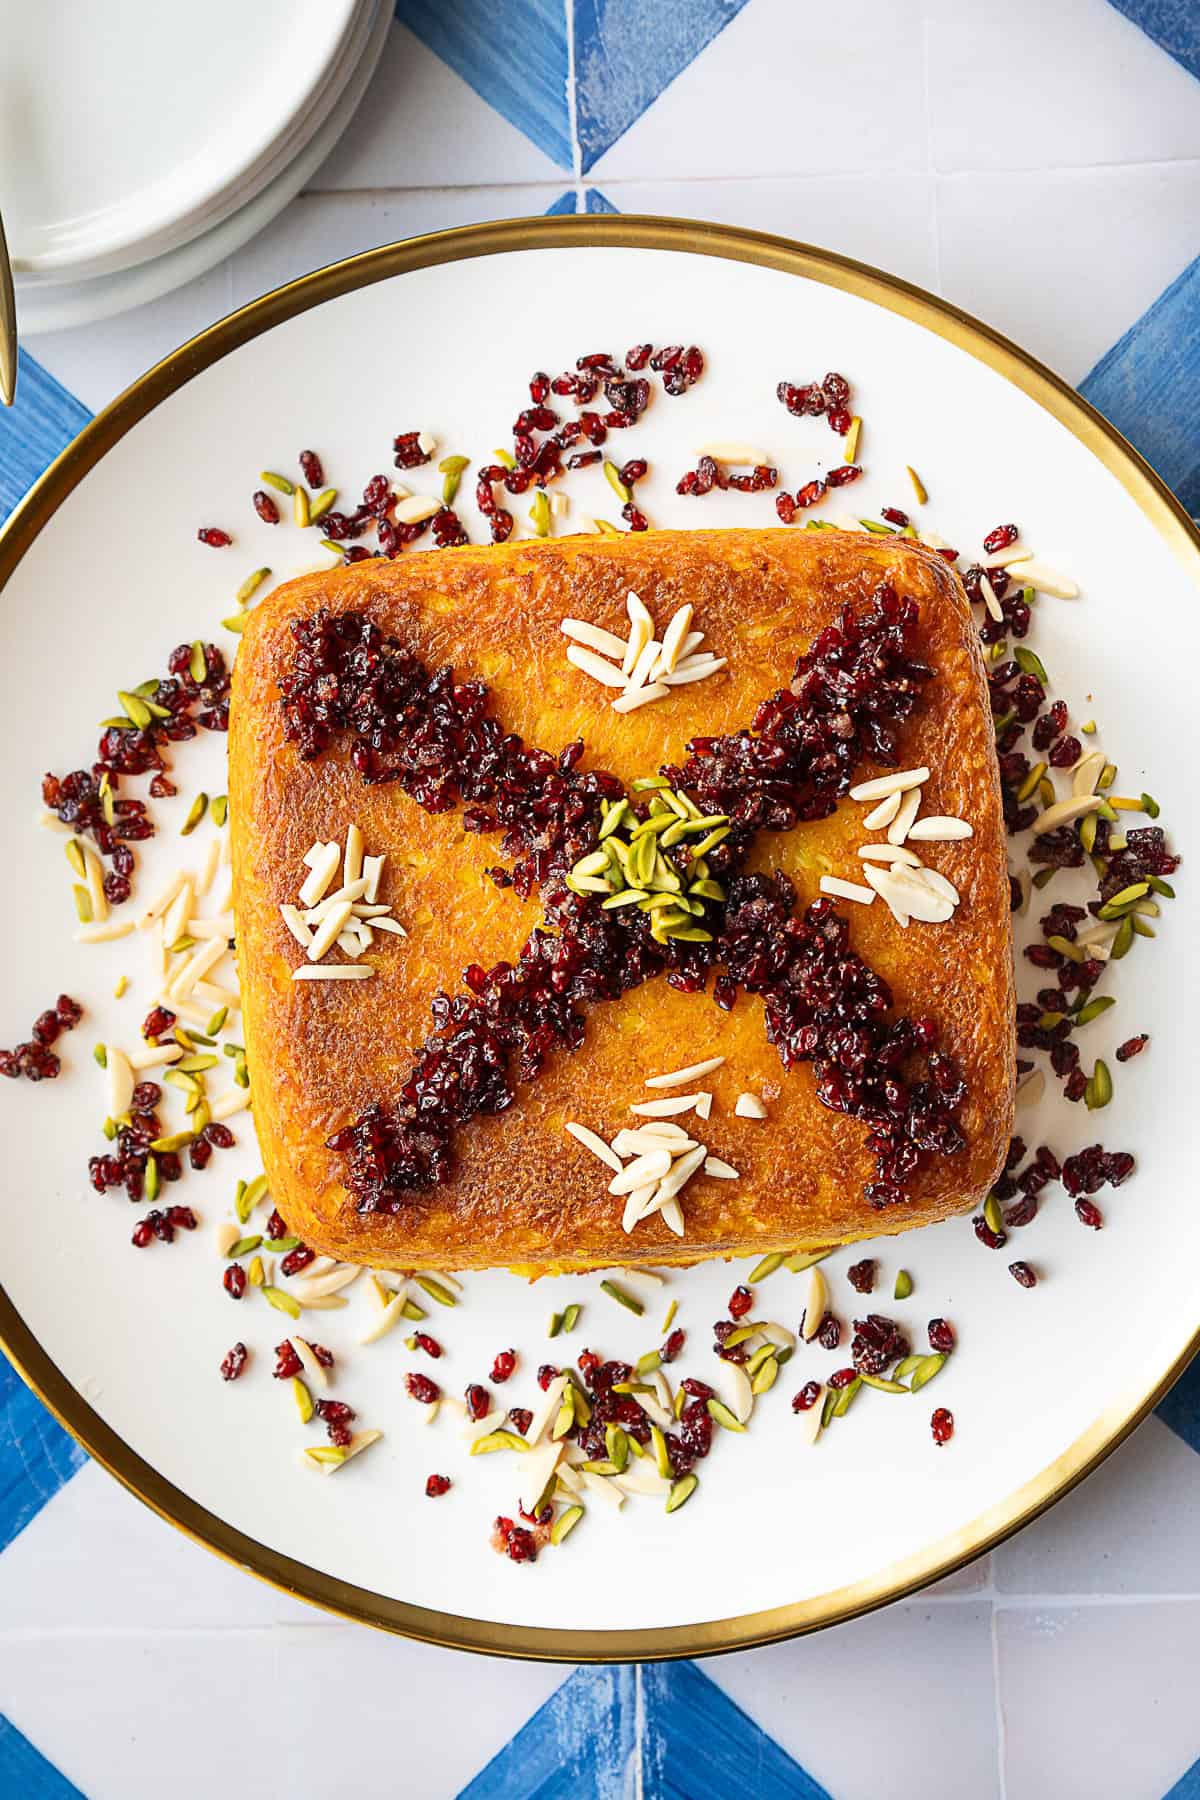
column 525, row 1193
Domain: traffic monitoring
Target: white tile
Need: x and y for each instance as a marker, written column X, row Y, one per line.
column 320, row 228
column 1098, row 1700
column 96, row 1558
column 783, row 89
column 420, row 125
column 900, row 1703
column 1030, row 85
column 1129, row 1529
column 1085, row 251
column 290, row 1712
column 976, row 1576
column 880, row 218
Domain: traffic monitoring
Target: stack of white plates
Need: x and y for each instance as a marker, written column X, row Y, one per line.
column 142, row 143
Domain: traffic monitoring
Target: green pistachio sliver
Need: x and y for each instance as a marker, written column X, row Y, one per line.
column 669, row 1319
column 109, row 1129
column 498, row 1440
column 570, row 1316
column 1108, row 775
column 186, row 1083
column 877, row 528
column 1095, row 1007
column 926, row 1369
column 742, row 1333
column 646, row 1365
column 1049, row 1020
column 239, row 1202
column 1125, row 897
column 152, row 1178
column 993, row 1217
column 118, row 722
column 196, row 1065
column 1087, row 832
column 83, row 904
column 218, row 808
column 785, row 1355
column 600, row 1466
column 1030, row 663
column 244, row 1246
column 1159, row 886
column 662, row 1455
column 554, row 1326
column 256, row 1192
column 505, row 458
column 1099, row 1090
column 616, row 1442
column 846, row 1397
column 711, row 841
column 436, row 1291
column 707, row 890
column 100, row 1055
column 236, row 622
column 613, row 818
column 594, row 863
column 883, row 1385
column 282, row 1245
column 180, row 945
column 196, row 812
column 198, row 663
column 1150, row 806
column 907, row 1366
column 301, row 511
column 410, row 1310
column 450, row 485
column 216, row 1022
column 303, row 1399
column 622, row 1298
column 904, row 1285
column 280, row 483
column 1032, row 781
column 1141, row 927
column 645, row 784
column 251, row 585
column 682, row 1491
column 333, row 1454
column 720, row 1414
column 804, row 1259
column 73, row 851
column 772, row 1261
column 565, row 1524
column 832, row 1395
column 565, row 1417
column 539, row 513
column 1123, row 940
column 136, row 708
column 282, row 1302
column 765, row 1374
column 1043, row 878
column 333, row 545
column 1066, row 948
column 620, row 488
column 453, row 465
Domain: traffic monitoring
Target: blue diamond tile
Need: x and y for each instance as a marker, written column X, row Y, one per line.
column 43, row 422
column 596, row 202
column 627, row 52
column 24, row 1772
column 1174, row 25
column 1187, row 1787
column 1148, row 384
column 1181, row 1408
column 513, row 53
column 36, row 1457
column 564, row 204
column 693, row 1744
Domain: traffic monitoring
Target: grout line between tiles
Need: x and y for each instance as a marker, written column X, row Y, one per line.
column 998, row 1702
column 573, row 112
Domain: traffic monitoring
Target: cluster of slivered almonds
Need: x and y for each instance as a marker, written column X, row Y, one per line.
column 348, row 917
column 653, row 1162
column 642, row 666
column 902, row 881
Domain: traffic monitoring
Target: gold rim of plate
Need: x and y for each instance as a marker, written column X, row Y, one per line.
column 41, row 503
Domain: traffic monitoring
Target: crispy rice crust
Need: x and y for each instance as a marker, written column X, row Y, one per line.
column 524, row 1193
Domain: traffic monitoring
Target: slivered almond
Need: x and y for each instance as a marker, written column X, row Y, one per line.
column 598, row 667
column 937, row 881
column 713, row 1165
column 322, row 872
column 814, row 1306
column 665, row 1109
column 734, row 454
column 328, row 931
column 884, row 813
column 1086, row 773
column 900, row 826
column 846, row 890
column 332, row 972
column 886, row 888
column 159, row 905
column 749, row 1106
column 317, row 1287
column 672, row 1217
column 1004, row 559
column 416, row 509
column 226, row 1105
column 1047, row 580
column 695, row 669
column 650, row 1167
column 888, row 853
column 632, row 698
column 1065, row 812
column 591, row 1140
column 897, row 782
column 641, row 630
column 638, row 1205
column 681, row 1174
column 373, row 870
column 106, row 933
column 673, row 638
column 680, row 1077
column 155, row 1056
column 938, row 829
column 352, row 858
column 120, row 1083
column 296, row 926
column 594, row 637
column 992, row 606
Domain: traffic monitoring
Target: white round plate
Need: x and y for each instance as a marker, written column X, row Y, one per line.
column 105, row 575
column 45, row 305
column 121, row 137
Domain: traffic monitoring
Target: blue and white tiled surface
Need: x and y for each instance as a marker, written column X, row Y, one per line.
column 1039, row 164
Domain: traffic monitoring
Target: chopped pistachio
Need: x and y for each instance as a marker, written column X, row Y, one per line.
column 904, row 1285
